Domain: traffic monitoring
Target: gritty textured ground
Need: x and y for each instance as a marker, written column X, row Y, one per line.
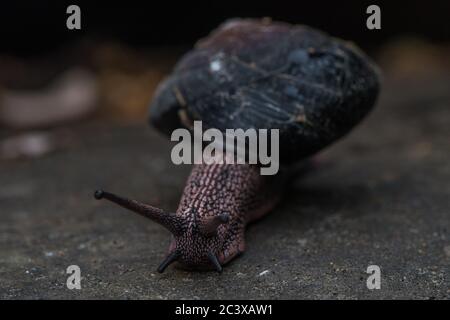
column 381, row 196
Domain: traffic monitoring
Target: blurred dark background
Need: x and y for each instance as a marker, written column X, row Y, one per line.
column 32, row 27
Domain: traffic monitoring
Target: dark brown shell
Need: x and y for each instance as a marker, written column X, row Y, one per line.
column 270, row 75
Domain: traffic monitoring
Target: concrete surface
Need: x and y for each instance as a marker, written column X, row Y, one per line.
column 381, row 196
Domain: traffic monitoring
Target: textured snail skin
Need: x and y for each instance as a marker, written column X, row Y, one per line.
column 211, row 190
column 218, row 201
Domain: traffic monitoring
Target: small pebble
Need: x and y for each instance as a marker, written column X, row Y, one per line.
column 263, row 273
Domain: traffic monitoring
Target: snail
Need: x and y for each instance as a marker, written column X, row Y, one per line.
column 252, row 73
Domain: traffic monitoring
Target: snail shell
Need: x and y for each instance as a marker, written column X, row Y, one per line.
column 270, row 75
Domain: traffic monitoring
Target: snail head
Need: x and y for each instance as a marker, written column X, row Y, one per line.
column 195, row 245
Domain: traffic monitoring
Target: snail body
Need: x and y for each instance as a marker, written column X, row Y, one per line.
column 219, row 200
column 261, row 75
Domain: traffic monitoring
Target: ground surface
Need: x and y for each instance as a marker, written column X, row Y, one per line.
column 381, row 196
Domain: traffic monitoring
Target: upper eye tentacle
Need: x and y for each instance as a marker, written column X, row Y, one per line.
column 208, row 226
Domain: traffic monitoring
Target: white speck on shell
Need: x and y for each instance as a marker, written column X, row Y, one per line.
column 215, row 65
